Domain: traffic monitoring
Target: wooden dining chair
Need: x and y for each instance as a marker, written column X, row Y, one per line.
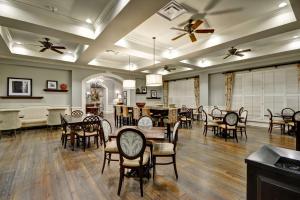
column 242, row 124
column 287, row 115
column 198, row 113
column 131, row 146
column 146, row 112
column 186, row 118
column 119, row 115
column 110, row 146
column 126, row 115
column 208, row 124
column 136, row 115
column 230, row 122
column 145, row 122
column 273, row 123
column 90, row 128
column 216, row 113
column 166, row 150
column 296, row 120
column 171, row 120
column 66, row 132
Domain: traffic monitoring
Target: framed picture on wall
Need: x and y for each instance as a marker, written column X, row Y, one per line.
column 144, row 90
column 52, row 84
column 19, row 86
column 153, row 94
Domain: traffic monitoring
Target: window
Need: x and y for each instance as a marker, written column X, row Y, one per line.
column 268, row 88
column 181, row 92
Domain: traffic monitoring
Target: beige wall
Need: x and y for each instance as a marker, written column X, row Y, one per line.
column 39, row 77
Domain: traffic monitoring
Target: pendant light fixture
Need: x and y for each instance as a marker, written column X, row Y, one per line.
column 129, row 84
column 153, row 80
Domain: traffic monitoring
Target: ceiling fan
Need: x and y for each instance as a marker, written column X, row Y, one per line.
column 235, row 52
column 207, row 10
column 191, row 28
column 49, row 45
column 169, row 68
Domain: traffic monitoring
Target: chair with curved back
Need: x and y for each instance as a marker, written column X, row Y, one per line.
column 171, row 120
column 186, row 118
column 66, row 132
column 216, row 113
column 145, row 122
column 118, row 115
column 166, row 150
column 208, row 124
column 90, row 128
column 287, row 115
column 230, row 122
column 110, row 146
column 275, row 123
column 131, row 145
column 198, row 113
column 242, row 124
column 296, row 121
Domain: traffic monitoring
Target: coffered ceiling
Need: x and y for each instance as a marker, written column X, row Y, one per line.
column 104, row 33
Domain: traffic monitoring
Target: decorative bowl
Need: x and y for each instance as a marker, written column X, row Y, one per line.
column 140, row 104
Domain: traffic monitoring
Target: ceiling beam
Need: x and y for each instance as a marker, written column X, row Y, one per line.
column 295, row 4
column 4, row 42
column 132, row 15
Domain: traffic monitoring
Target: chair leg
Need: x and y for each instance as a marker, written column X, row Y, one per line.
column 203, row 129
column 174, row 163
column 104, row 160
column 235, row 135
column 245, row 133
column 84, row 143
column 141, row 180
column 121, row 179
column 15, row 132
column 154, row 163
column 109, row 158
column 97, row 141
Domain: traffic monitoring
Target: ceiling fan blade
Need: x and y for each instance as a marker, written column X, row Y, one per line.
column 178, row 29
column 239, row 54
column 44, row 49
column 179, row 36
column 57, row 51
column 58, row 47
column 193, row 37
column 245, row 50
column 197, row 24
column 231, row 10
column 205, row 30
column 211, row 5
column 228, row 55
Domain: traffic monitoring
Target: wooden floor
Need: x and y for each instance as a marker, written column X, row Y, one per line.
column 35, row 166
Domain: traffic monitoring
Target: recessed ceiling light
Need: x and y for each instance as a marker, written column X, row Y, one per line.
column 282, row 4
column 296, row 36
column 17, row 42
column 88, row 20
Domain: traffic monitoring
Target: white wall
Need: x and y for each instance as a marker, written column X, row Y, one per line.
column 39, row 77
column 216, row 89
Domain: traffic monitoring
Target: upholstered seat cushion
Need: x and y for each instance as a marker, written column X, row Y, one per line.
column 87, row 134
column 223, row 126
column 212, row 124
column 241, row 125
column 111, row 147
column 163, row 149
column 136, row 162
column 278, row 121
column 219, row 121
column 33, row 122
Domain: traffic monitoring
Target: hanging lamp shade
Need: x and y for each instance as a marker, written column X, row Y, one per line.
column 154, row 80
column 129, row 84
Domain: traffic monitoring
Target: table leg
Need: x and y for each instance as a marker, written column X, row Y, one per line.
column 72, row 138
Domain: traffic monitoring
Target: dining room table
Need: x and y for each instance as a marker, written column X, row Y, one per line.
column 73, row 122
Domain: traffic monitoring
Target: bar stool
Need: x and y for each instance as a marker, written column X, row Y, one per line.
column 125, row 115
column 136, row 115
column 146, row 112
column 119, row 115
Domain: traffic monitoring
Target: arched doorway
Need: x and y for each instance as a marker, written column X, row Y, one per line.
column 109, row 91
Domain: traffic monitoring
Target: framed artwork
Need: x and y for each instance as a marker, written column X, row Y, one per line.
column 19, row 86
column 52, row 84
column 125, row 94
column 153, row 94
column 144, row 90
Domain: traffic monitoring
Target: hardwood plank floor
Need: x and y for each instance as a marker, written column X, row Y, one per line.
column 34, row 165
